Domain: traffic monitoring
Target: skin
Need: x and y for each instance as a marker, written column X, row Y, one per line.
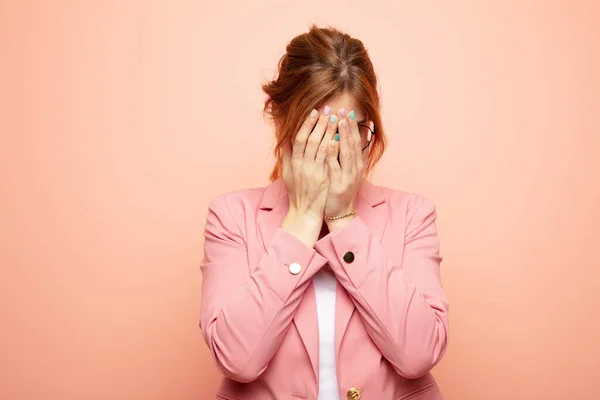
column 317, row 184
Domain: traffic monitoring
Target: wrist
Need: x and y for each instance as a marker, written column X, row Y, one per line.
column 303, row 226
column 339, row 207
column 305, row 219
column 337, row 224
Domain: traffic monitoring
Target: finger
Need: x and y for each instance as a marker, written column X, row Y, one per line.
column 356, row 140
column 355, row 132
column 302, row 135
column 330, row 133
column 333, row 165
column 326, row 120
column 346, row 146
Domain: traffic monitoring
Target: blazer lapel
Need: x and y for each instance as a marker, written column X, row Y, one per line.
column 273, row 209
column 307, row 323
column 369, row 197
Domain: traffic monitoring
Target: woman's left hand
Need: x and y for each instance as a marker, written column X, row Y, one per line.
column 345, row 176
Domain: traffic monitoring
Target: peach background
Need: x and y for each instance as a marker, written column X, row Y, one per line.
column 121, row 120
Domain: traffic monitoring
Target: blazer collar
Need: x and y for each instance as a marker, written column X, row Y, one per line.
column 274, row 206
column 276, row 191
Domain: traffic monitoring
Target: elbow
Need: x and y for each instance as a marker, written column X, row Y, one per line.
column 245, row 376
column 417, row 368
column 234, row 366
column 234, row 363
column 419, row 361
column 232, row 357
column 242, row 374
column 415, row 371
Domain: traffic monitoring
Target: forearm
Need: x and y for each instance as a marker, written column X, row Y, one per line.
column 303, row 227
column 407, row 322
column 246, row 310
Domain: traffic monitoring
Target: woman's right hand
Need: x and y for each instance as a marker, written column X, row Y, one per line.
column 306, row 177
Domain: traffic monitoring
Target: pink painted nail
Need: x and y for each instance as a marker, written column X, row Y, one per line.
column 343, row 113
column 326, row 110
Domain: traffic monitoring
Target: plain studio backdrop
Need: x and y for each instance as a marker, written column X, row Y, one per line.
column 120, row 120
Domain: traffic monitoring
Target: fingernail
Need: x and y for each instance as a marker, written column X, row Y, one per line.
column 337, row 137
column 313, row 113
column 332, row 118
column 352, row 115
column 343, row 112
column 326, row 110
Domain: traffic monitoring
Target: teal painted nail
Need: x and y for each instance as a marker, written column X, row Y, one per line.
column 351, row 114
column 337, row 137
column 332, row 118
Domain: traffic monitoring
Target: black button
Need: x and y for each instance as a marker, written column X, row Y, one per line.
column 349, row 257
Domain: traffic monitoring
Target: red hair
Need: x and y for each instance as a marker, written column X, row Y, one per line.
column 316, row 67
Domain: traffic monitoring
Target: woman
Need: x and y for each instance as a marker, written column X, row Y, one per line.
column 323, row 285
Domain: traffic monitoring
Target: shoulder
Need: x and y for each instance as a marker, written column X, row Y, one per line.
column 403, row 209
column 238, row 199
column 227, row 211
column 399, row 201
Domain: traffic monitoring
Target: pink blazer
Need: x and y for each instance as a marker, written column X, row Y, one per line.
column 258, row 315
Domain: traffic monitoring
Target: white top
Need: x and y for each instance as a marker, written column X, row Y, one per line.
column 325, row 285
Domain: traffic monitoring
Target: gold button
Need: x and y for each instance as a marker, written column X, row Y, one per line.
column 354, row 394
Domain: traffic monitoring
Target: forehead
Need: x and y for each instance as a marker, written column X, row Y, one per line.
column 347, row 101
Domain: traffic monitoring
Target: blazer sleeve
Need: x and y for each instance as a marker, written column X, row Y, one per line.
column 245, row 312
column 402, row 304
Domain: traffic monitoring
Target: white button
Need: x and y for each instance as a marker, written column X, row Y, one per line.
column 295, row 268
